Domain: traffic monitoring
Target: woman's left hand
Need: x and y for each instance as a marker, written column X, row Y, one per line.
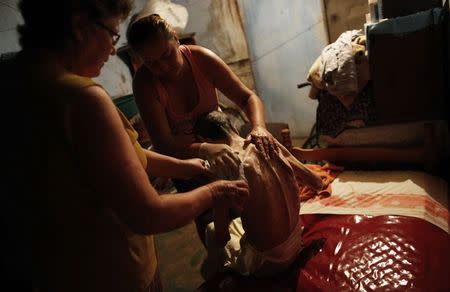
column 264, row 142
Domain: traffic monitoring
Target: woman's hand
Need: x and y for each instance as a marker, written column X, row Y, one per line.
column 196, row 168
column 224, row 162
column 264, row 142
column 231, row 194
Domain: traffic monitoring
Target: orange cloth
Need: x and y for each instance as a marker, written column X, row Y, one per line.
column 328, row 173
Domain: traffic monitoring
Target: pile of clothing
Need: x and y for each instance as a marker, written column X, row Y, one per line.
column 339, row 79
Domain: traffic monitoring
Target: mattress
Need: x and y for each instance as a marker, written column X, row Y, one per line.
column 377, row 231
column 406, row 193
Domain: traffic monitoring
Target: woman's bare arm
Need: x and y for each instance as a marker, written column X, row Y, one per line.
column 224, row 79
column 154, row 116
column 180, row 145
column 229, row 84
column 112, row 168
column 159, row 165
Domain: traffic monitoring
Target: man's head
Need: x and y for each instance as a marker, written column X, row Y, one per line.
column 214, row 126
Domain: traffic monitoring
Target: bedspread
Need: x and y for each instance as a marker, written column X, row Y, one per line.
column 408, row 193
column 374, row 253
column 377, row 231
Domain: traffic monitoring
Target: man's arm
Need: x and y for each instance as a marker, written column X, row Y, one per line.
column 221, row 223
column 304, row 174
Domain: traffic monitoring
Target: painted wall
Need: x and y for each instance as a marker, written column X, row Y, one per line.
column 9, row 19
column 281, row 41
column 284, row 38
column 217, row 25
column 275, row 42
column 115, row 76
column 344, row 15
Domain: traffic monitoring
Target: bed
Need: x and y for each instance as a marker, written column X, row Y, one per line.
column 377, row 230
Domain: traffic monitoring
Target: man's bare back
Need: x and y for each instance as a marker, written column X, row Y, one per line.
column 271, row 213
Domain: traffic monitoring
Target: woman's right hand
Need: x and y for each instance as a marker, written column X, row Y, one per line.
column 224, row 162
column 232, row 194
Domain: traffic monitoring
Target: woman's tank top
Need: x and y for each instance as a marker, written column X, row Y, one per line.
column 208, row 101
column 80, row 244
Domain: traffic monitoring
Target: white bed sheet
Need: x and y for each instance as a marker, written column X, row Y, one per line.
column 407, row 193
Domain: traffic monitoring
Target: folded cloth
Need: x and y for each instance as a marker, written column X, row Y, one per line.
column 328, row 173
column 315, row 79
column 342, row 69
column 241, row 256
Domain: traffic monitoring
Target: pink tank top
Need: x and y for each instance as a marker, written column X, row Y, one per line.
column 208, row 101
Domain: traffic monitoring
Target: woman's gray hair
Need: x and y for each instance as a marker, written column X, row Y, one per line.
column 48, row 23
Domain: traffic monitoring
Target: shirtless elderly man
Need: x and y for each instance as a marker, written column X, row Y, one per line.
column 267, row 237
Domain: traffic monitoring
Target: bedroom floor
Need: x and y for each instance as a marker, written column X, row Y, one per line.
column 181, row 253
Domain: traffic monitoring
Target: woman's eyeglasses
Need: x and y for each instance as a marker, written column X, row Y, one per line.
column 115, row 35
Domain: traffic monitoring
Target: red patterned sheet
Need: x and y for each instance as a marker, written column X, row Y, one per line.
column 358, row 253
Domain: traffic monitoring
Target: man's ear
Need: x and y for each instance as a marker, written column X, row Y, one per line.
column 199, row 138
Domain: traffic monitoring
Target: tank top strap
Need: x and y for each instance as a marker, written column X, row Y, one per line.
column 163, row 97
column 206, row 90
column 77, row 81
column 200, row 78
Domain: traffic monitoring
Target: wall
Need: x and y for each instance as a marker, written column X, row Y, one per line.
column 115, row 76
column 284, row 38
column 9, row 19
column 217, row 25
column 344, row 15
column 281, row 41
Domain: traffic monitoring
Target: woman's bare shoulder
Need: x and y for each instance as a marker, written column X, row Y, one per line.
column 202, row 53
column 207, row 60
column 93, row 98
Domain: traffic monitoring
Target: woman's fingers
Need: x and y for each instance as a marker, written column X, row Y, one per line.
column 232, row 158
column 241, row 189
column 230, row 193
column 235, row 157
column 266, row 143
column 273, row 146
column 259, row 143
column 230, row 167
column 226, row 164
column 242, row 184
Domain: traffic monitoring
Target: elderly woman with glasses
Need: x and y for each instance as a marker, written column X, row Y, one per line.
column 94, row 209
